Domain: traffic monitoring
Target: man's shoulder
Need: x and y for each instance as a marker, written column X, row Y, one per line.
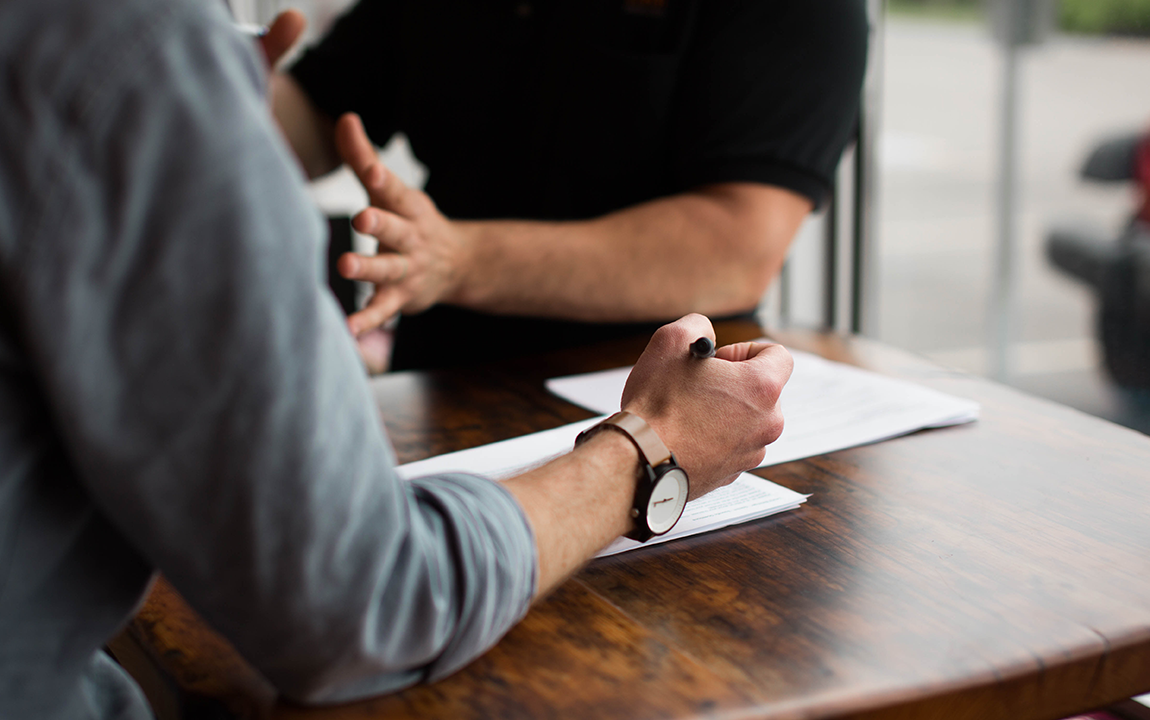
column 73, row 51
column 86, row 81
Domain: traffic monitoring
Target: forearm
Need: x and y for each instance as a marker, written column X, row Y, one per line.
column 309, row 132
column 712, row 251
column 577, row 504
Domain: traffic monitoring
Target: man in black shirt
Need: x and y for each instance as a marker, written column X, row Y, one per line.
column 593, row 164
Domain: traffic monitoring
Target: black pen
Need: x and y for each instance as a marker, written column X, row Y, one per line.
column 703, row 348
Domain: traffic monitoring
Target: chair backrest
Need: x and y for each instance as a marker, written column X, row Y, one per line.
column 828, row 280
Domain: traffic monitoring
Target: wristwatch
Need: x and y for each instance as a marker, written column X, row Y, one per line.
column 661, row 493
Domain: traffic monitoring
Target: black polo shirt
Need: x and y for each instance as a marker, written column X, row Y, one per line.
column 569, row 109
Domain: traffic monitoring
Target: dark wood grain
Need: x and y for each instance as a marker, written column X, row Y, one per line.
column 208, row 675
column 573, row 654
column 994, row 570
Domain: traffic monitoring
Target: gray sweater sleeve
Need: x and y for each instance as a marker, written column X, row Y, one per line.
column 207, row 391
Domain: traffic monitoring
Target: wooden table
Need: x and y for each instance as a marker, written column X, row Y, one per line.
column 994, row 570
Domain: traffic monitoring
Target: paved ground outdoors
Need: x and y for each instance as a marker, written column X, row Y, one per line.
column 936, row 213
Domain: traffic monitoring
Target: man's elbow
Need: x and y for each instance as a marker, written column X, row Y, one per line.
column 742, row 286
column 748, row 267
column 751, row 245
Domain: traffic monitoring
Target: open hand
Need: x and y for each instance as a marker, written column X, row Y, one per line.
column 420, row 251
column 717, row 415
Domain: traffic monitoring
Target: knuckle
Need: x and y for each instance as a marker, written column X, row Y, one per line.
column 786, row 361
column 773, row 388
column 758, row 455
column 670, row 335
column 773, row 428
column 695, row 325
column 388, row 224
column 770, row 381
column 764, row 391
column 685, row 329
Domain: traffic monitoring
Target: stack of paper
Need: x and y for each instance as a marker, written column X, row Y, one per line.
column 827, row 406
column 747, row 498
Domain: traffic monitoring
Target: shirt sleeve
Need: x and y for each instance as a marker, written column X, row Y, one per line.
column 210, row 398
column 769, row 92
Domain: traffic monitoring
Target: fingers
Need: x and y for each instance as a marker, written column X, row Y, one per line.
column 375, row 349
column 383, row 269
column 353, row 145
column 763, row 369
column 678, row 335
column 383, row 188
column 739, row 352
column 382, row 307
column 766, row 371
column 386, row 271
column 392, row 231
column 772, row 365
column 282, row 34
column 719, row 414
column 689, row 328
column 775, row 357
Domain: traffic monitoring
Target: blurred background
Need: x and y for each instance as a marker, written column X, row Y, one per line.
column 937, row 102
column 938, row 156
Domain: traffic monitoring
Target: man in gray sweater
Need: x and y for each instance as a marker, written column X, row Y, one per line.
column 179, row 392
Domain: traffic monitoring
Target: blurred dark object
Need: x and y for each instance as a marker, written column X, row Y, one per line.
column 339, row 242
column 1021, row 22
column 1118, row 269
column 1131, row 710
column 1114, row 160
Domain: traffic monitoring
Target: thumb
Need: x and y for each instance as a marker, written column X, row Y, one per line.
column 742, row 351
column 282, row 34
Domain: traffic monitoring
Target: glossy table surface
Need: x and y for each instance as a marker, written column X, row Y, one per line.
column 994, row 570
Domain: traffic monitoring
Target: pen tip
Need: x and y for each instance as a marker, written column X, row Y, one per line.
column 702, row 348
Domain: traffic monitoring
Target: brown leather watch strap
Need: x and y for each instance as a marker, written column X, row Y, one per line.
column 652, row 449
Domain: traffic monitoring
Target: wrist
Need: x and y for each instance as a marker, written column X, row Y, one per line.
column 663, row 486
column 468, row 265
column 662, row 425
column 612, row 455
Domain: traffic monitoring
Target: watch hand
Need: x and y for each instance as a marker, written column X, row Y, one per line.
column 660, row 502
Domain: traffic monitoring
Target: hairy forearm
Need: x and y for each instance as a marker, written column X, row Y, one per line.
column 577, row 504
column 712, row 251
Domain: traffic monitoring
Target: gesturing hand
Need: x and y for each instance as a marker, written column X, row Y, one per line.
column 420, row 252
column 716, row 415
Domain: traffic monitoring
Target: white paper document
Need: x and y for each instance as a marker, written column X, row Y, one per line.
column 827, row 406
column 748, row 498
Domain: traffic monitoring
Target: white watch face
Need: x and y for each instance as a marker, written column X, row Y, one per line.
column 667, row 501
